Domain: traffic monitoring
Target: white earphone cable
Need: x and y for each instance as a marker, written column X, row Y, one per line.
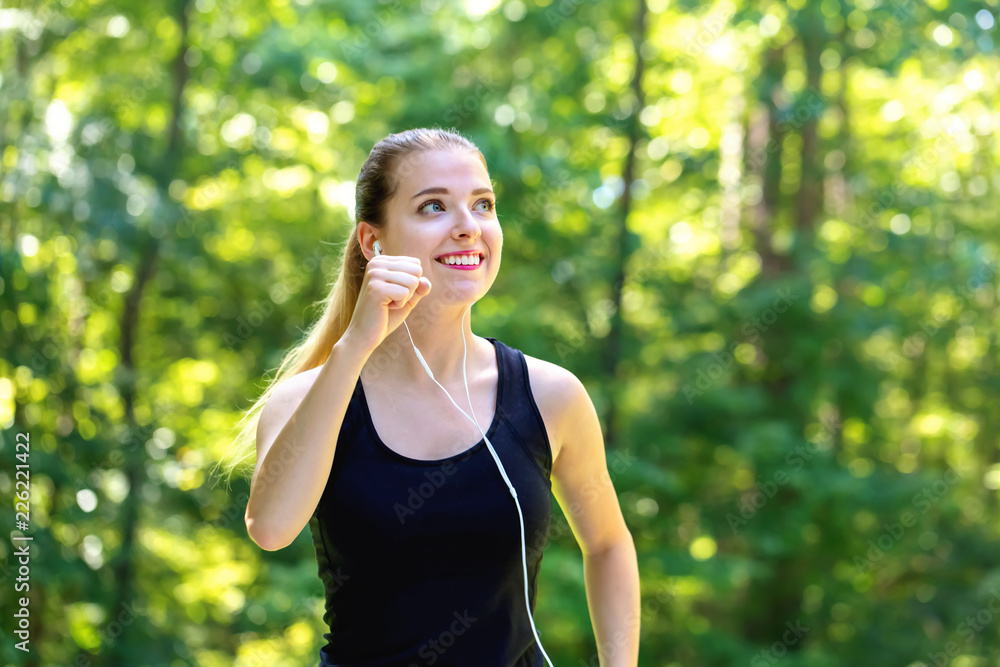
column 524, row 558
column 503, row 473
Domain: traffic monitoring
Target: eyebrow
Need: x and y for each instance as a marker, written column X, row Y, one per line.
column 444, row 191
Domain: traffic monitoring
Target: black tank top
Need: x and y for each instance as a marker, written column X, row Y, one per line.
column 421, row 560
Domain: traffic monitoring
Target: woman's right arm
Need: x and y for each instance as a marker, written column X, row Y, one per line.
column 299, row 425
column 295, row 446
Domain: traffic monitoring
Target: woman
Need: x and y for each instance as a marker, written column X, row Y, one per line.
column 424, row 554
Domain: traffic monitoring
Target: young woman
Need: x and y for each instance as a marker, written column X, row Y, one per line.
column 426, row 555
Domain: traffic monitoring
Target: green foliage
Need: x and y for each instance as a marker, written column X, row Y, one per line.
column 789, row 325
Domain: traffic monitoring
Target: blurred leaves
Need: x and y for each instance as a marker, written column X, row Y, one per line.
column 808, row 373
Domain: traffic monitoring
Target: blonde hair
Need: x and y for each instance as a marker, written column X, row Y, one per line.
column 377, row 182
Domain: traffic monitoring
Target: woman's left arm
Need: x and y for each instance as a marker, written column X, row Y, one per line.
column 583, row 488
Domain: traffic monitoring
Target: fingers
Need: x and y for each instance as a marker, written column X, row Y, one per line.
column 398, row 293
column 423, row 289
column 396, row 262
column 397, row 278
column 411, row 297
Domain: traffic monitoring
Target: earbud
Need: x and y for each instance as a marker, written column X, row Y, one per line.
column 377, row 247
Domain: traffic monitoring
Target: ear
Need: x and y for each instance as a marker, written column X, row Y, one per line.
column 366, row 238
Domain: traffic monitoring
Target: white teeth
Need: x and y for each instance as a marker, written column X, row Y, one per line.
column 464, row 260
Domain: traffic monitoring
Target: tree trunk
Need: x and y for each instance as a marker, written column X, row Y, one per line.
column 731, row 171
column 613, row 347
column 765, row 137
column 135, row 471
column 809, row 198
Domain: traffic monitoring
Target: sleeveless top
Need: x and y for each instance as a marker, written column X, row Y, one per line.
column 421, row 560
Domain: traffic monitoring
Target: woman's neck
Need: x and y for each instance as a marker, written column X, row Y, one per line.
column 440, row 343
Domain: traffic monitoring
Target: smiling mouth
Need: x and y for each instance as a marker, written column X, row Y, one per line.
column 461, row 260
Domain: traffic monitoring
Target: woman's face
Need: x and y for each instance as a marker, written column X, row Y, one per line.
column 446, row 206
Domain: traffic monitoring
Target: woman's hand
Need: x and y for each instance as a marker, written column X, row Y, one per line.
column 392, row 286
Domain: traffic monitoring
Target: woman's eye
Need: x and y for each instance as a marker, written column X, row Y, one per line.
column 422, row 207
column 489, row 205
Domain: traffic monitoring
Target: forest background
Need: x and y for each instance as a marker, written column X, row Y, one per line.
column 762, row 233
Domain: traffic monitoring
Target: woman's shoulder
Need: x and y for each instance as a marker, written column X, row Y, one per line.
column 550, row 375
column 546, row 372
column 290, row 391
column 556, row 391
column 301, row 381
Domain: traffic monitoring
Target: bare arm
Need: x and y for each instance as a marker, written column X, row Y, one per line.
column 298, row 428
column 295, row 448
column 583, row 486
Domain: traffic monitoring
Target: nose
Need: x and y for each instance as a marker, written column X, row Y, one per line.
column 466, row 225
